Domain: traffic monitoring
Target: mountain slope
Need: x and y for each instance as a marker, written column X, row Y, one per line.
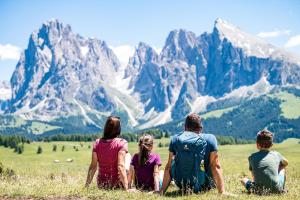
column 211, row 65
column 243, row 120
column 73, row 82
column 62, row 73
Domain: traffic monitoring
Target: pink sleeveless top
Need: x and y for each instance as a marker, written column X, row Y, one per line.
column 107, row 153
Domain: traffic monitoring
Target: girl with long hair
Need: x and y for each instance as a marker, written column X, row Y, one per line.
column 144, row 167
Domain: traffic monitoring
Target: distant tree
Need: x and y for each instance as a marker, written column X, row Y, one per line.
column 54, row 147
column 20, row 148
column 167, row 134
column 39, row 150
column 160, row 145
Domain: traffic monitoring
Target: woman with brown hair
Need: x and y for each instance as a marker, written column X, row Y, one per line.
column 109, row 154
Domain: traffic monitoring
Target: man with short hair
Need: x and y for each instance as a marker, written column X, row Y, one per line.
column 206, row 145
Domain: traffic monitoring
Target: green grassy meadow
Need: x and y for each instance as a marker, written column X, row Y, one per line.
column 37, row 176
column 288, row 104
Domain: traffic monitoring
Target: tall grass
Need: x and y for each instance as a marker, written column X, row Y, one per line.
column 38, row 176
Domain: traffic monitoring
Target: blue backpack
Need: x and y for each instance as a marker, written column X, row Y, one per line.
column 188, row 169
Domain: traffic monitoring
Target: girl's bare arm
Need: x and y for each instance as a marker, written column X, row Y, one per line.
column 156, row 178
column 130, row 176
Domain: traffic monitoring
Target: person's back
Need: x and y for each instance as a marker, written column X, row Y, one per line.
column 144, row 167
column 264, row 165
column 194, row 141
column 109, row 156
column 267, row 167
column 189, row 150
column 107, row 152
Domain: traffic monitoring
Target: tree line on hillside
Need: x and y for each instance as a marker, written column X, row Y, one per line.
column 246, row 120
column 133, row 137
column 130, row 137
column 70, row 137
column 15, row 142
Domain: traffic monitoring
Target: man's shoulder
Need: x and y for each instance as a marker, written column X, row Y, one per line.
column 174, row 137
column 209, row 137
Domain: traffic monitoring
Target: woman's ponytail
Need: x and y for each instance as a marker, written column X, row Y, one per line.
column 145, row 147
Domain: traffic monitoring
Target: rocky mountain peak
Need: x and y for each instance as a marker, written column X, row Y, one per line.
column 179, row 45
column 143, row 54
column 62, row 73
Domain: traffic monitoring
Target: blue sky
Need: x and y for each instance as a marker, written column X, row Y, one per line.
column 128, row 22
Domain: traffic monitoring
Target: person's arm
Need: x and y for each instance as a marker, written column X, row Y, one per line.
column 92, row 169
column 130, row 176
column 156, row 178
column 122, row 169
column 217, row 171
column 283, row 163
column 167, row 175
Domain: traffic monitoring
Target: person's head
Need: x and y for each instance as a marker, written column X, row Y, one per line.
column 193, row 123
column 264, row 139
column 112, row 128
column 145, row 147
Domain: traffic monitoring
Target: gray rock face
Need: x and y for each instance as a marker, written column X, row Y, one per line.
column 60, row 67
column 212, row 64
column 63, row 73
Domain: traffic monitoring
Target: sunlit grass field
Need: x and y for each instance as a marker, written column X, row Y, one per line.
column 38, row 176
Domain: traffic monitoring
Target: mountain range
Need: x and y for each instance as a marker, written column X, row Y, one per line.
column 65, row 80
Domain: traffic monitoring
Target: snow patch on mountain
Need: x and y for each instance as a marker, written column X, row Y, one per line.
column 83, row 112
column 5, row 90
column 200, row 103
column 259, row 88
column 84, row 50
column 123, row 52
column 130, row 115
column 159, row 118
column 252, row 45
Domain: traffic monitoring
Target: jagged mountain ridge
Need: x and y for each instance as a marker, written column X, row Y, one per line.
column 212, row 64
column 63, row 73
column 60, row 72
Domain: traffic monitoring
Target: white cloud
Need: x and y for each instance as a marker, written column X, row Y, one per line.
column 293, row 41
column 123, row 52
column 273, row 34
column 157, row 49
column 9, row 51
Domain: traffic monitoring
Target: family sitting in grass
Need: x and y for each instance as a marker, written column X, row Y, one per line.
column 193, row 163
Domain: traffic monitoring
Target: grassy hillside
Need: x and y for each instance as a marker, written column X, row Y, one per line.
column 277, row 111
column 240, row 118
column 39, row 176
column 289, row 104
